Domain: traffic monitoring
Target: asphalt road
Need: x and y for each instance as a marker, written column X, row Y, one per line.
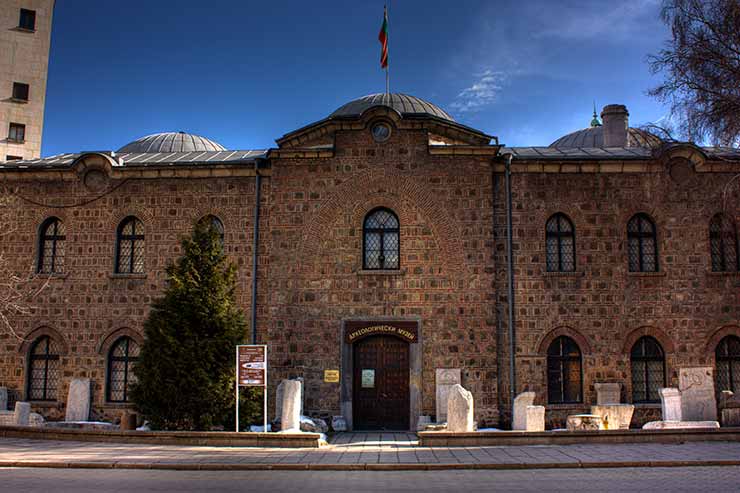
column 706, row 479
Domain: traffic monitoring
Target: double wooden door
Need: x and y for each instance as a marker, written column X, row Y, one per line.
column 380, row 394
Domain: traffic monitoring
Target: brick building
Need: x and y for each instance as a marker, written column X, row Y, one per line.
column 381, row 237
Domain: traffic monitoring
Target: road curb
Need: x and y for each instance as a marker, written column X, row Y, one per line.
column 360, row 467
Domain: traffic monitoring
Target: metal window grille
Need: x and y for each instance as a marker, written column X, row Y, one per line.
column 648, row 370
column 43, row 370
column 51, row 247
column 121, row 359
column 381, row 242
column 642, row 244
column 564, row 375
column 560, row 241
column 727, row 357
column 723, row 244
column 216, row 224
column 130, row 246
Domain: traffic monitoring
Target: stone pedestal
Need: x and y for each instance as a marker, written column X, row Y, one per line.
column 535, row 418
column 519, row 421
column 697, row 394
column 672, row 425
column 22, row 413
column 608, row 393
column 581, row 422
column 290, row 418
column 615, row 416
column 128, row 421
column 460, row 410
column 3, row 398
column 670, row 403
column 78, row 400
column 445, row 378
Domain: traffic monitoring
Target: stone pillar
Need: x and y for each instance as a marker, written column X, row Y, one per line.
column 460, row 410
column 670, row 403
column 445, row 379
column 279, row 398
column 535, row 418
column 608, row 393
column 78, row 400
column 3, row 398
column 521, row 402
column 22, row 413
column 290, row 417
column 697, row 394
column 616, row 122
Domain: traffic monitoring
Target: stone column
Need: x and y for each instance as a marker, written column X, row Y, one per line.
column 520, row 410
column 697, row 394
column 445, row 379
column 22, row 413
column 460, row 410
column 670, row 403
column 608, row 393
column 535, row 418
column 78, row 400
column 290, row 418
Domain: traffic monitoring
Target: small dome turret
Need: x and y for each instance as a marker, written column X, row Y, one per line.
column 171, row 142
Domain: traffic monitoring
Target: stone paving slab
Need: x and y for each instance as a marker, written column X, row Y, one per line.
column 359, row 452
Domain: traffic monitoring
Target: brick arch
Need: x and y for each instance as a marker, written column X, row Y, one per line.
column 547, row 339
column 647, row 331
column 399, row 188
column 718, row 335
column 142, row 213
column 45, row 330
column 113, row 336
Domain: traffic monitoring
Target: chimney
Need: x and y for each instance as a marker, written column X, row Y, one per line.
column 615, row 120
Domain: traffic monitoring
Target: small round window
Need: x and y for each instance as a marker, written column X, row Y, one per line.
column 381, row 132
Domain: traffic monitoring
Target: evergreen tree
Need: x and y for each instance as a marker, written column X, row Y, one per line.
column 185, row 371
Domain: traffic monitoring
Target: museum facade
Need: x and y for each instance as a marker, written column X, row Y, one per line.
column 374, row 243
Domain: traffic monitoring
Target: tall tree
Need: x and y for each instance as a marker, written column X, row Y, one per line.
column 701, row 68
column 185, row 371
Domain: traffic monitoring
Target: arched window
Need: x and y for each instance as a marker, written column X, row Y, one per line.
column 561, row 244
column 43, row 370
column 121, row 358
column 130, row 246
column 51, row 247
column 564, row 378
column 648, row 370
column 381, row 243
column 642, row 247
column 723, row 244
column 216, row 224
column 727, row 357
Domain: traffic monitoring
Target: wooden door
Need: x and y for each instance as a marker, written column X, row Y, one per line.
column 380, row 394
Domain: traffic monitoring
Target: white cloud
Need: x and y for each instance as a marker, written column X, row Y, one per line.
column 482, row 93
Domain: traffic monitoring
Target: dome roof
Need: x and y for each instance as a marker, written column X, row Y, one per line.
column 404, row 104
column 594, row 137
column 172, row 142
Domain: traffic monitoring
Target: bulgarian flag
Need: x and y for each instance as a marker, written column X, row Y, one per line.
column 383, row 38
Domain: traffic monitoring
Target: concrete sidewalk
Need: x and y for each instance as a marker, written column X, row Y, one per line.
column 363, row 451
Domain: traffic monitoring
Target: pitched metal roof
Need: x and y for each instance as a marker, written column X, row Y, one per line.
column 172, row 142
column 403, row 103
column 150, row 159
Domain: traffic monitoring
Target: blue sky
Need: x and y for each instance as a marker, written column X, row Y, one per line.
column 245, row 72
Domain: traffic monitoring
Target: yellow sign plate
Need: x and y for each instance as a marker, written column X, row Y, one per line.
column 331, row 376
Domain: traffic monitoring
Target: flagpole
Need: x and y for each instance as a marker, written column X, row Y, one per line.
column 388, row 65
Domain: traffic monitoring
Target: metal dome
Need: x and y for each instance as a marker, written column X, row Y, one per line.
column 403, row 103
column 172, row 142
column 594, row 137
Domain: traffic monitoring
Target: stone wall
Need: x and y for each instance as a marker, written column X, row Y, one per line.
column 445, row 280
column 602, row 306
column 88, row 307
